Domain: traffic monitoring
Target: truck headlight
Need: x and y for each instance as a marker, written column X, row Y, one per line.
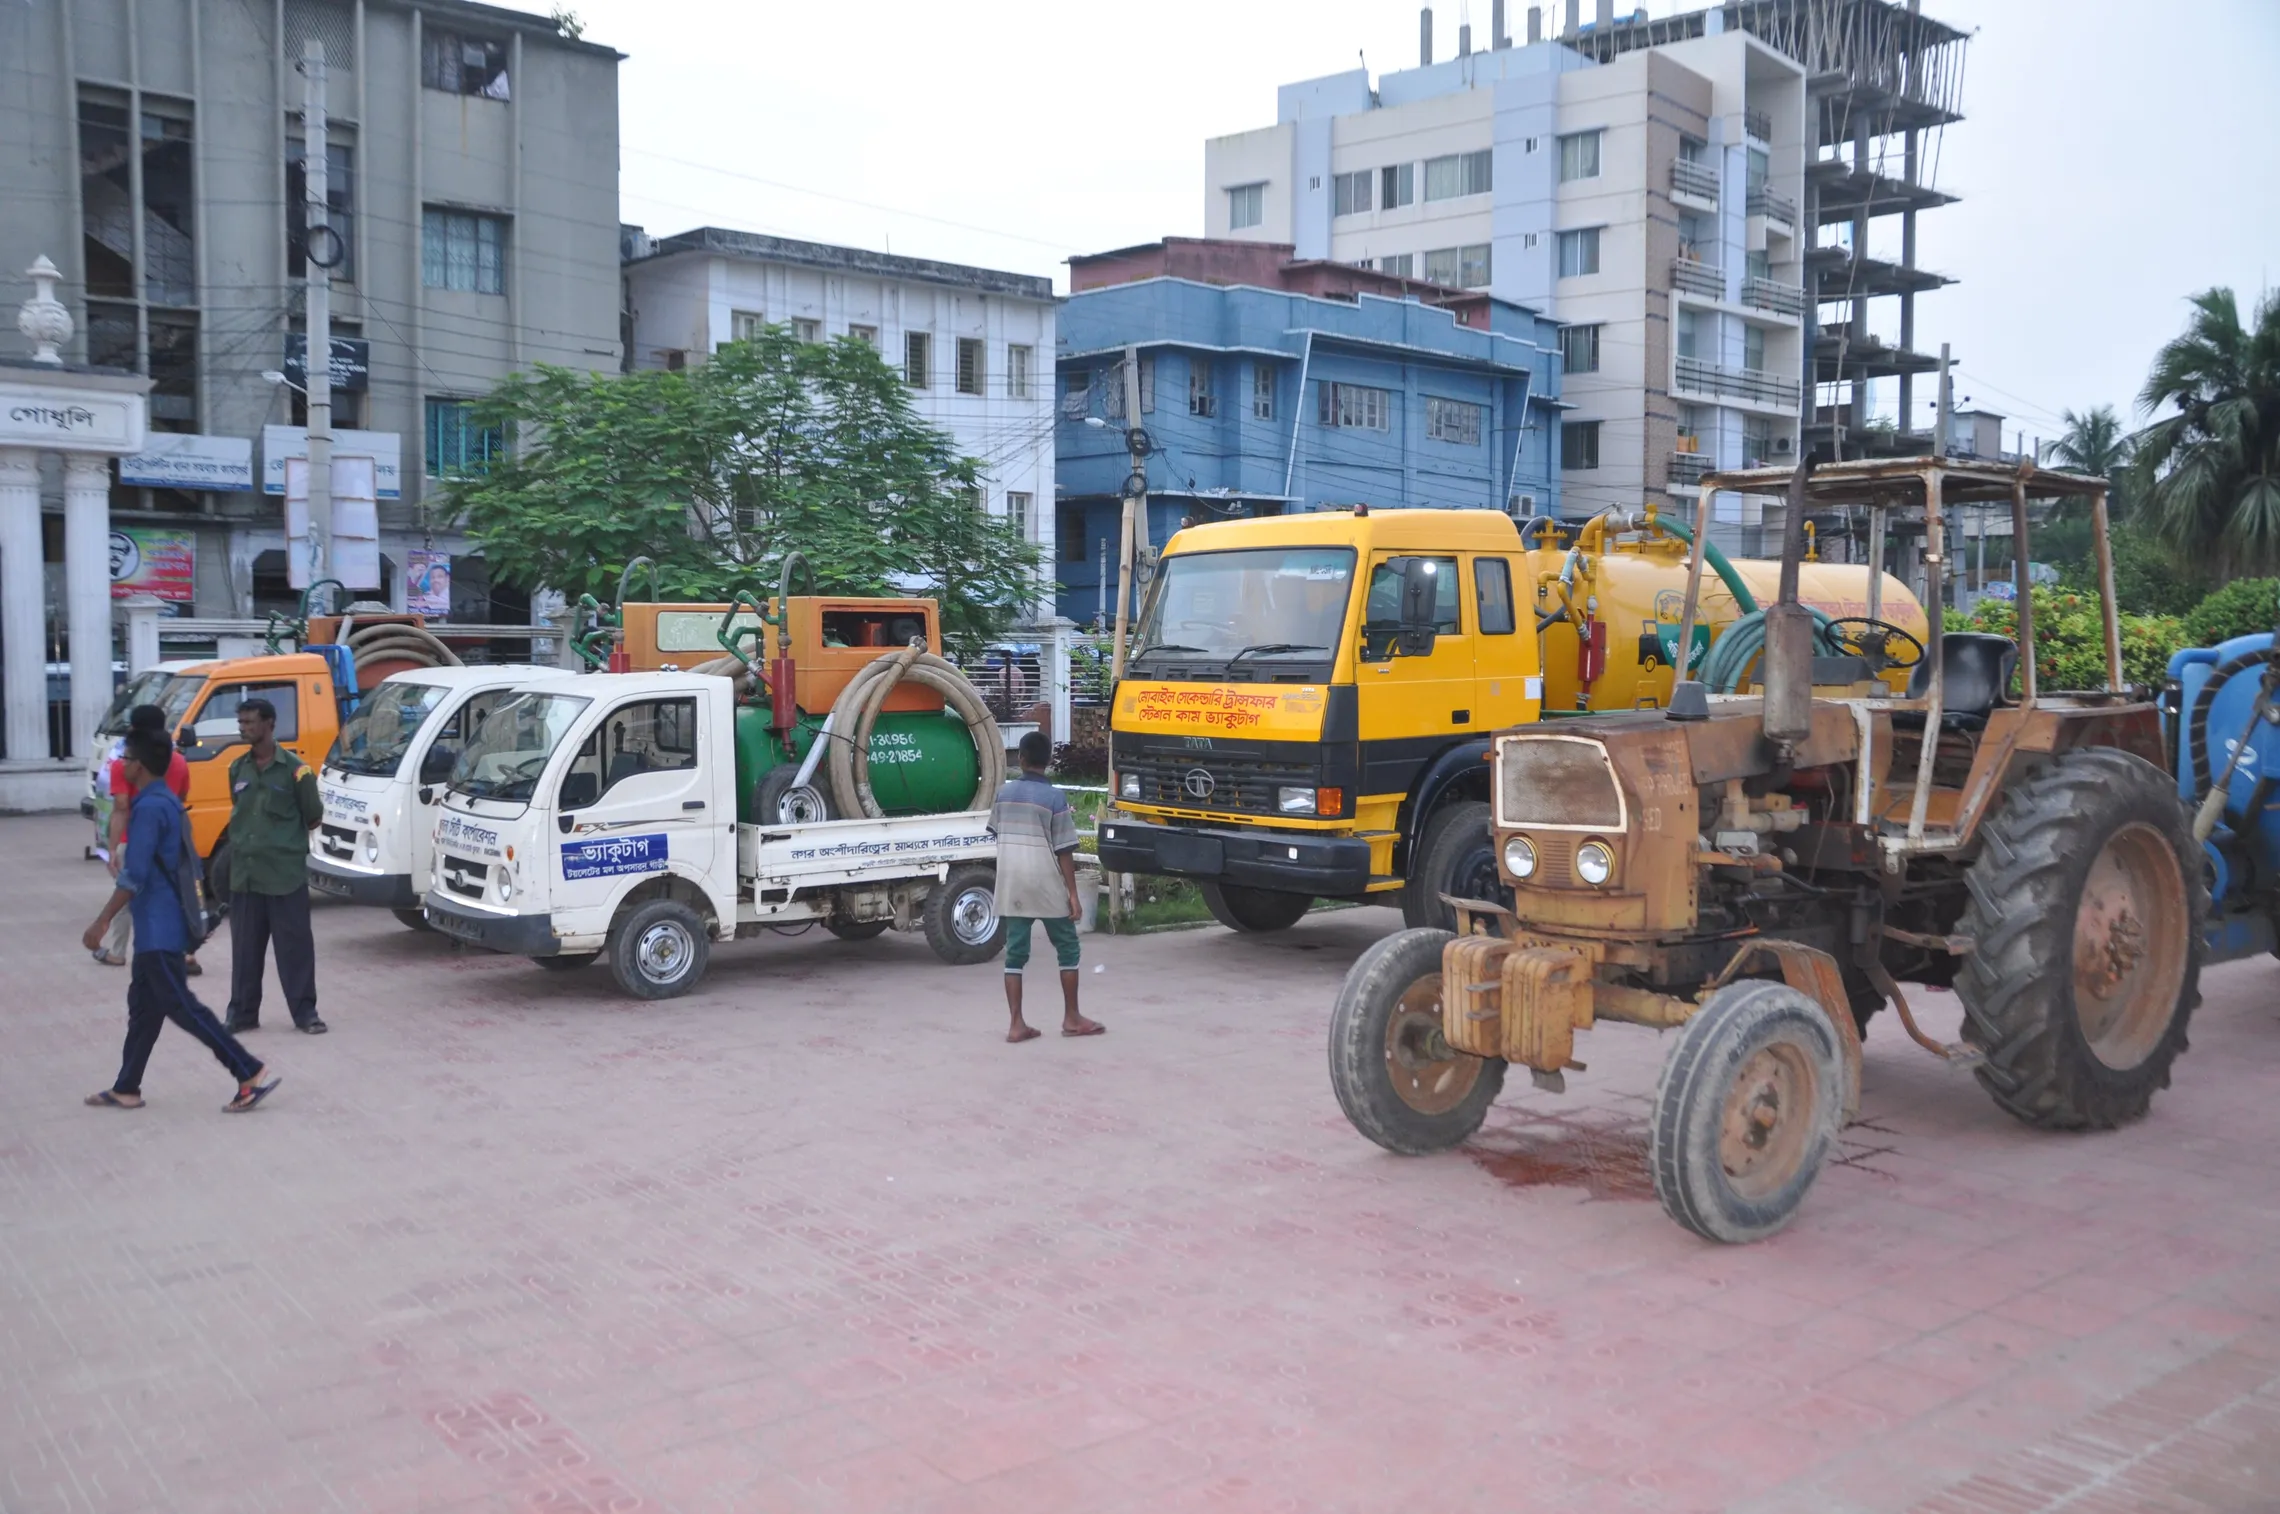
column 1594, row 863
column 371, row 847
column 1520, row 857
column 503, row 885
column 1295, row 801
column 1128, row 786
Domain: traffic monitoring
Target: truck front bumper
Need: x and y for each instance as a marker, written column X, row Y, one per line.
column 1293, row 862
column 388, row 890
column 514, row 935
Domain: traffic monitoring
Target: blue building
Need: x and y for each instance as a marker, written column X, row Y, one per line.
column 1269, row 385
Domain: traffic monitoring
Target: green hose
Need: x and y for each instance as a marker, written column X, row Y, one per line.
column 1717, row 561
column 1743, row 640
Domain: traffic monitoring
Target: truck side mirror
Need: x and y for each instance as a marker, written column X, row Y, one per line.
column 188, row 738
column 566, row 822
column 436, row 766
column 1420, row 593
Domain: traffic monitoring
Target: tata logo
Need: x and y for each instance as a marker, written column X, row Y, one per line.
column 1198, row 784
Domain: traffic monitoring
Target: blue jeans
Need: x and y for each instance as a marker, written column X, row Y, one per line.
column 1059, row 929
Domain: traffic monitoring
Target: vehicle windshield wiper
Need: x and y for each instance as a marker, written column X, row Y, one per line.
column 1166, row 646
column 1265, row 647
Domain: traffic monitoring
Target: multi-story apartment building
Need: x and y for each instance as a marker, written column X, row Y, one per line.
column 1269, row 384
column 975, row 345
column 472, row 205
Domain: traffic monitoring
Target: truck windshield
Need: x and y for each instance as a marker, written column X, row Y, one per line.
column 1255, row 602
column 179, row 694
column 503, row 759
column 379, row 734
column 143, row 688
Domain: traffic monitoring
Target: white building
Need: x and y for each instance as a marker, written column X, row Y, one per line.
column 1649, row 203
column 975, row 345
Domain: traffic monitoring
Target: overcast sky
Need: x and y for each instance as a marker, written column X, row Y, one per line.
column 2117, row 154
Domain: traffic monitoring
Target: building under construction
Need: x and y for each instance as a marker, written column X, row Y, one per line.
column 1885, row 81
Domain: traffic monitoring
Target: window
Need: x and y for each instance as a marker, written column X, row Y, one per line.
column 1458, row 174
column 1757, row 441
column 744, row 325
column 1071, row 536
column 459, row 64
column 457, row 444
column 1756, row 265
column 1694, row 150
column 1350, row 193
column 1579, row 156
column 1579, row 444
column 1401, row 265
column 1076, row 393
column 1690, row 332
column 340, row 210
column 1397, row 186
column 1112, row 389
column 217, row 725
column 1351, row 406
column 654, row 736
column 463, row 252
column 1382, row 617
column 1200, row 401
column 1753, row 348
column 972, row 373
column 1017, row 364
column 1018, row 511
column 1579, row 349
column 1262, row 392
column 918, row 358
column 1492, row 588
column 1472, row 266
column 1455, row 421
column 1442, row 267
column 1759, row 168
column 804, row 330
column 1246, row 206
column 867, row 335
column 1696, row 241
column 1579, row 253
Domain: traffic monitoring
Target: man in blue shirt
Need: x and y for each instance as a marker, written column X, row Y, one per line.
column 158, row 991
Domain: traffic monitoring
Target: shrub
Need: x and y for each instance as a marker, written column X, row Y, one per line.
column 2241, row 608
column 2070, row 639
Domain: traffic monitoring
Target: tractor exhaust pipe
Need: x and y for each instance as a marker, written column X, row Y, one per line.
column 1786, row 666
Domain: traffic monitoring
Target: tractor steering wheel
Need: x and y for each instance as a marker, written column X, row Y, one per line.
column 1885, row 645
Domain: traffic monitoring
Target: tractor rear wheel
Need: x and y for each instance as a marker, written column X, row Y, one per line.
column 2087, row 906
column 1455, row 855
column 1395, row 1074
column 1747, row 1111
column 1254, row 909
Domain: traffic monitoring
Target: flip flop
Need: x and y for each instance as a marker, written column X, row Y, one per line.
column 1094, row 1029
column 107, row 1100
column 249, row 1097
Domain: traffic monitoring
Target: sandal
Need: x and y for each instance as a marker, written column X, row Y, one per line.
column 108, row 1100
column 247, row 1098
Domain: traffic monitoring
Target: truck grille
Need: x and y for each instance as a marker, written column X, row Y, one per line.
column 1213, row 781
column 464, row 878
column 338, row 841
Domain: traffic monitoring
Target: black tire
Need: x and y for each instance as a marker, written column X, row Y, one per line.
column 2058, row 1054
column 856, row 930
column 1383, row 1065
column 779, row 799
column 217, row 880
column 659, row 951
column 566, row 962
column 1254, row 909
column 1766, row 1045
column 412, row 919
column 1455, row 855
column 961, row 918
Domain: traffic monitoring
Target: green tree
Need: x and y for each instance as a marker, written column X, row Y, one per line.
column 2209, row 470
column 2095, row 443
column 715, row 472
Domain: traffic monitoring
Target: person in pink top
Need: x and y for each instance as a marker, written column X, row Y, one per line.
column 119, row 948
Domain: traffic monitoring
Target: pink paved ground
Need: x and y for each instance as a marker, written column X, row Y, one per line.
column 814, row 1239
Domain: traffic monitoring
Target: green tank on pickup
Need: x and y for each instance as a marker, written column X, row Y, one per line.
column 922, row 761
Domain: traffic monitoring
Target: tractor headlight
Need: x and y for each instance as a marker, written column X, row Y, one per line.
column 1594, row 863
column 504, row 886
column 1128, row 786
column 1295, row 801
column 371, row 847
column 1520, row 857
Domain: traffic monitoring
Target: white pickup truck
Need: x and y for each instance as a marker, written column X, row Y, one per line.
column 379, row 781
column 598, row 816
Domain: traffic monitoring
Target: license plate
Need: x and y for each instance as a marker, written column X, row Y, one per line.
column 326, row 883
column 453, row 925
column 1191, row 854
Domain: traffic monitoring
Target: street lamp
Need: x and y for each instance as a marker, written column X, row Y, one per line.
column 273, row 376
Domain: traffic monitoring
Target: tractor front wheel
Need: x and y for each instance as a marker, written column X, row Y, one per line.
column 1748, row 1109
column 1395, row 1074
column 2087, row 906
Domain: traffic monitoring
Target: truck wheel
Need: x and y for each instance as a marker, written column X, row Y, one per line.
column 566, row 962
column 781, row 799
column 1254, row 909
column 412, row 919
column 1456, row 855
column 659, row 951
column 856, row 930
column 1396, row 1076
column 2087, row 905
column 1746, row 1112
column 962, row 923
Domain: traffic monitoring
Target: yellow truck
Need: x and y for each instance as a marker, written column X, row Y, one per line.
column 1307, row 708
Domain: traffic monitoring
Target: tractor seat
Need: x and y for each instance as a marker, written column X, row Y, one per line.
column 1978, row 676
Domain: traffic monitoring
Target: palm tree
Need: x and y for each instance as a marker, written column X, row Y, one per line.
column 2095, row 443
column 2209, row 473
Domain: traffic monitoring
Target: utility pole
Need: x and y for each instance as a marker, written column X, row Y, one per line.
column 316, row 365
column 1943, row 422
column 1135, row 493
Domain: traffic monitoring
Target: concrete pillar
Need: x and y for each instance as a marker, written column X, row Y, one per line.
column 87, row 589
column 23, row 601
column 142, row 612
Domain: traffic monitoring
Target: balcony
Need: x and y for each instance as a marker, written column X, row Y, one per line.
column 1687, row 468
column 1752, row 386
column 1697, row 181
column 1781, row 299
column 1757, row 124
column 1696, row 277
column 1764, row 202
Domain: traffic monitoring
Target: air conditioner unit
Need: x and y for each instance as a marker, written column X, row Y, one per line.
column 1523, row 504
column 1783, row 446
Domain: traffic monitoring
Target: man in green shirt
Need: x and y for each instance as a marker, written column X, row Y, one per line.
column 274, row 805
